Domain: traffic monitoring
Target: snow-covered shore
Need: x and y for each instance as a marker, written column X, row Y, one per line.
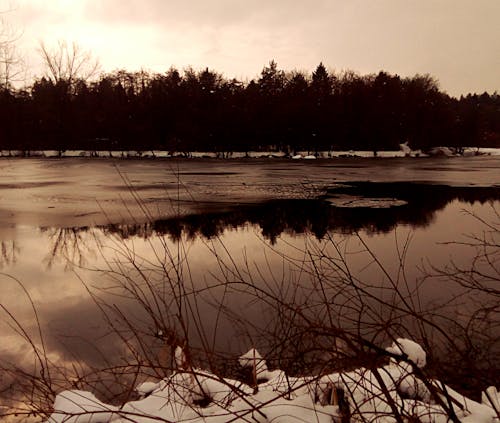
column 360, row 395
column 403, row 152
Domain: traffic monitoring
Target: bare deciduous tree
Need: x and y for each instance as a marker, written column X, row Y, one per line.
column 69, row 63
column 11, row 63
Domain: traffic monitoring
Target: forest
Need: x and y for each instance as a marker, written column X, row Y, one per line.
column 201, row 110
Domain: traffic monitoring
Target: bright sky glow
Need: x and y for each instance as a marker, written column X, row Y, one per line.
column 456, row 41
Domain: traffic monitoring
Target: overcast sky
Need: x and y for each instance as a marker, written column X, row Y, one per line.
column 456, row 41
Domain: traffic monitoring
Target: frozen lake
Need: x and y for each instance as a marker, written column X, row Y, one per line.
column 64, row 222
column 85, row 192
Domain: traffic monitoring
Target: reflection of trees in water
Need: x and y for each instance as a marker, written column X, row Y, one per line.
column 8, row 253
column 319, row 216
column 73, row 245
column 274, row 218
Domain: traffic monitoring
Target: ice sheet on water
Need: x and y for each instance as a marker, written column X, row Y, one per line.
column 347, row 201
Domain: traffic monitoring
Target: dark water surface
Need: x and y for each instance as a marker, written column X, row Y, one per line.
column 62, row 222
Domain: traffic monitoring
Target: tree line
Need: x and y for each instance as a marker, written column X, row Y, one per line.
column 204, row 111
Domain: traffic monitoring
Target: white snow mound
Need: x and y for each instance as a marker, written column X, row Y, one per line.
column 414, row 352
column 80, row 407
column 252, row 358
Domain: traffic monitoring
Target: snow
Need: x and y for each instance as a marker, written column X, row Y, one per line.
column 146, row 388
column 389, row 154
column 491, row 397
column 254, row 360
column 350, row 201
column 80, row 407
column 411, row 349
column 442, row 151
column 370, row 394
column 489, row 151
column 404, row 151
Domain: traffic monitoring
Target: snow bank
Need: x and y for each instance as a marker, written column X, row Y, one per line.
column 367, row 395
column 405, row 151
column 442, row 151
column 80, row 407
column 489, row 151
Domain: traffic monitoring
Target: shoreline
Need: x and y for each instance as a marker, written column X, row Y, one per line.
column 224, row 155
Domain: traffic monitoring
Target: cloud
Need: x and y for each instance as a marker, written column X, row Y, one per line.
column 76, row 329
column 202, row 13
column 455, row 40
column 236, row 38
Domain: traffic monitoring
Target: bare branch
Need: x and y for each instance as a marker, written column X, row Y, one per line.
column 11, row 63
column 68, row 63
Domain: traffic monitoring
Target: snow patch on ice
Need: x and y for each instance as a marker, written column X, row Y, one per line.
column 349, row 201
